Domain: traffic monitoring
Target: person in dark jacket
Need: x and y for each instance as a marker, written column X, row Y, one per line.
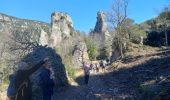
column 47, row 81
column 108, row 61
column 24, row 92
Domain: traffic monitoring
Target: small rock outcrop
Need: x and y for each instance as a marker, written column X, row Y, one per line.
column 61, row 26
column 80, row 54
column 43, row 40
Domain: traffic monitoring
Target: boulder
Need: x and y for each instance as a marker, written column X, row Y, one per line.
column 37, row 55
column 80, row 54
column 43, row 40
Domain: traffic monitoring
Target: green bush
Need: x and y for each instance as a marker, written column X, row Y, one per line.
column 71, row 71
column 91, row 48
column 68, row 62
column 92, row 52
column 6, row 81
column 5, row 71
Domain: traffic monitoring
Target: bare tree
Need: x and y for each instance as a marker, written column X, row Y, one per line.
column 22, row 42
column 164, row 17
column 117, row 17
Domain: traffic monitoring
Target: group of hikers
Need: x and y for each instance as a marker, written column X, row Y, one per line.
column 93, row 67
column 20, row 87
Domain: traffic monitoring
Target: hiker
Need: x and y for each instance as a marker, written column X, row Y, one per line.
column 87, row 69
column 20, row 86
column 47, row 81
column 97, row 67
column 91, row 67
column 103, row 65
column 108, row 61
column 94, row 67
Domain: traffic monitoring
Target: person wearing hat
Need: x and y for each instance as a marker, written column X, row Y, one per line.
column 22, row 82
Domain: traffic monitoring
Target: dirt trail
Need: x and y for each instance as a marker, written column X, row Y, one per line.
column 95, row 90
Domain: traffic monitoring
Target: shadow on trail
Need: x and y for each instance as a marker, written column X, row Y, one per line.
column 147, row 81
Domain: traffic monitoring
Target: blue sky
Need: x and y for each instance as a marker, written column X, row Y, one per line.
column 83, row 12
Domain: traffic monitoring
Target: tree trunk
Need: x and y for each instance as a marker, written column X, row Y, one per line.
column 121, row 51
column 166, row 38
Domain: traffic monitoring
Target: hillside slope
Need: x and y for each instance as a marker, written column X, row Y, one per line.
column 10, row 24
column 144, row 74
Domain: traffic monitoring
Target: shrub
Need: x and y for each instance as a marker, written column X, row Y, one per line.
column 71, row 71
column 91, row 48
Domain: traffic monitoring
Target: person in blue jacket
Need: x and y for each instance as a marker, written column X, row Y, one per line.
column 47, row 81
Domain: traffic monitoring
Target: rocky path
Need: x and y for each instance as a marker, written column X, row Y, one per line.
column 101, row 87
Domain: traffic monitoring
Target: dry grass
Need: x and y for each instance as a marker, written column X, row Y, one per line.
column 3, row 96
column 136, row 55
column 3, row 93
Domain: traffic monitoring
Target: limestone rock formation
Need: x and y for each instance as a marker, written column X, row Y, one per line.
column 101, row 27
column 40, row 53
column 62, row 27
column 100, row 35
column 80, row 54
column 43, row 40
column 10, row 25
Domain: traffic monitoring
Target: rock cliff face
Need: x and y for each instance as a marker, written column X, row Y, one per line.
column 9, row 24
column 65, row 37
column 62, row 27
